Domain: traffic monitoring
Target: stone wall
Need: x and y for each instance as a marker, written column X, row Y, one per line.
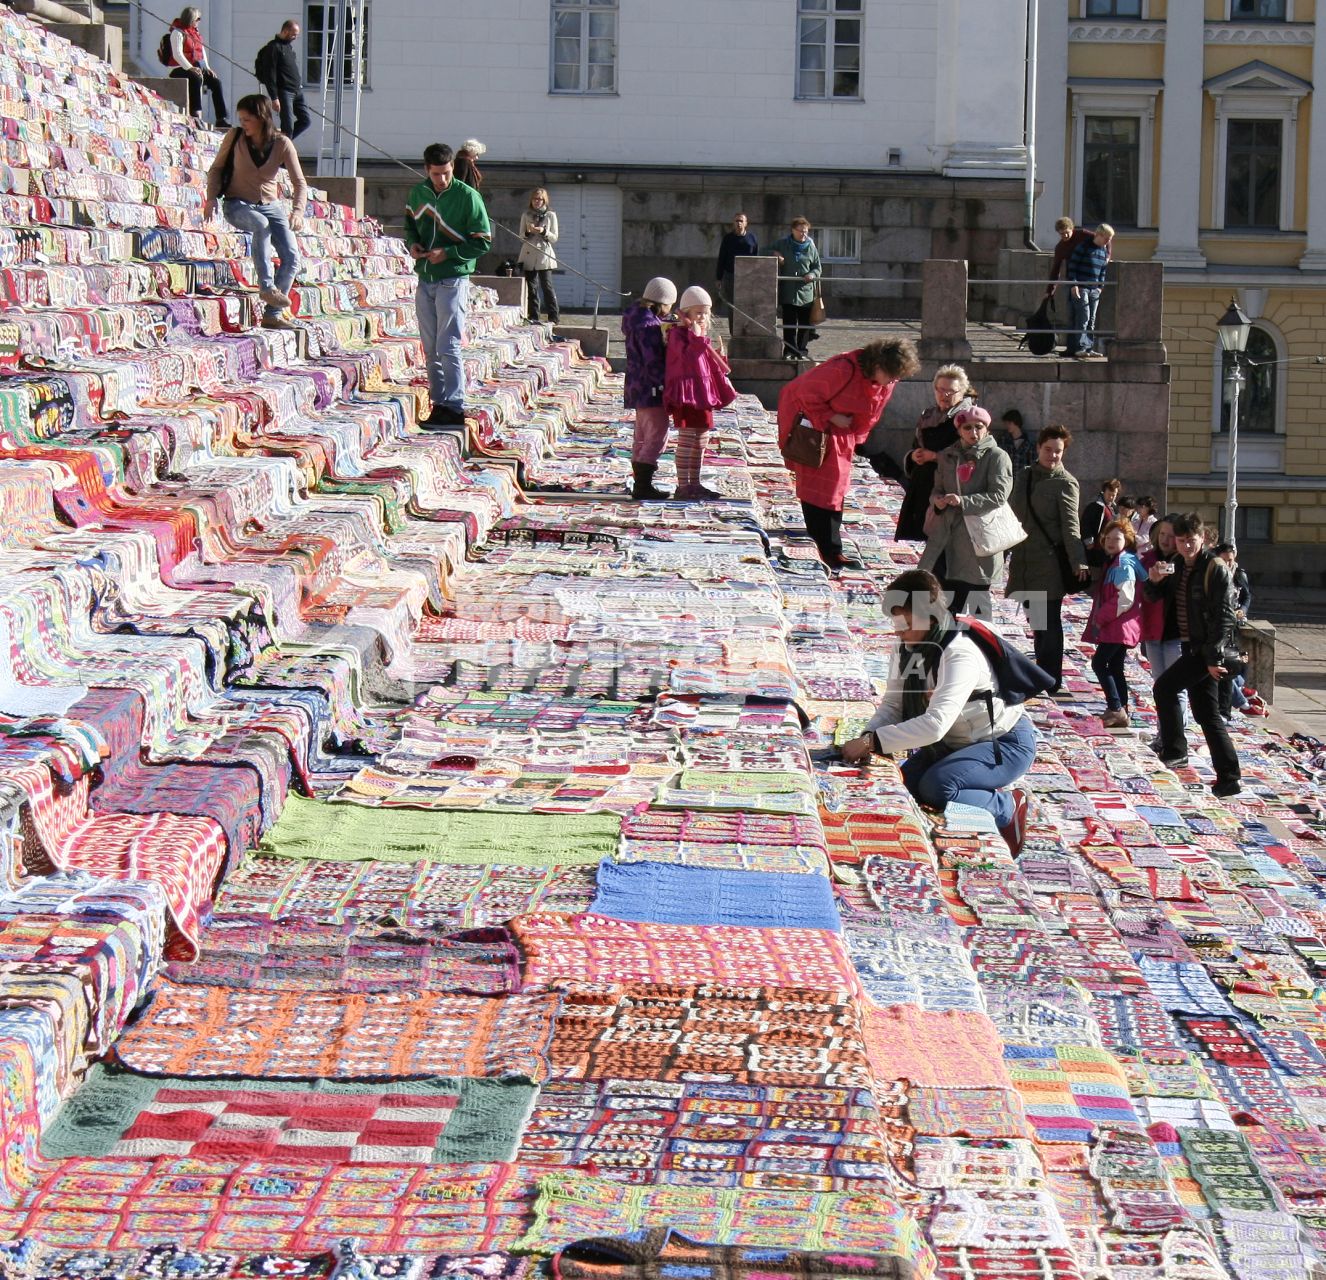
column 1118, row 414
column 673, row 221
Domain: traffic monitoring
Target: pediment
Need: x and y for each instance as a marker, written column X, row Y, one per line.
column 1258, row 77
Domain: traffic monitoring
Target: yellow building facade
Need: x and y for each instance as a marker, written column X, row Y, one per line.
column 1188, row 125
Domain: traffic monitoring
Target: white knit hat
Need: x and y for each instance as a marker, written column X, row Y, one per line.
column 473, row 146
column 660, row 289
column 695, row 297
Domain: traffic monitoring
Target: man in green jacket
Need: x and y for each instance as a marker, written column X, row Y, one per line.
column 446, row 232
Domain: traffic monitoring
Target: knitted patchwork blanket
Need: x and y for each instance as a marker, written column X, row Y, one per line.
column 661, row 1252
column 338, row 832
column 593, row 948
column 420, row 894
column 738, row 1034
column 667, row 894
column 295, row 954
column 120, row 1114
column 715, row 1135
column 210, row 1031
column 569, row 1205
column 288, row 1205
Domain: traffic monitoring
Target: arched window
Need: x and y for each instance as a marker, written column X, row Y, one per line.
column 1261, row 384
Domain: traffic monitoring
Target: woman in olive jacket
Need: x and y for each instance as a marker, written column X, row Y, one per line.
column 1045, row 500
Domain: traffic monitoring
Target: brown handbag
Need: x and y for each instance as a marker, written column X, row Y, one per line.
column 804, row 445
column 817, row 311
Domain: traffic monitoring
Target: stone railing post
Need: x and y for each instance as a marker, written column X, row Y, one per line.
column 944, row 310
column 1136, row 313
column 756, row 332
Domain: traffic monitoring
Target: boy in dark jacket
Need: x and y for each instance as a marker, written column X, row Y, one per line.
column 277, row 69
column 1196, row 589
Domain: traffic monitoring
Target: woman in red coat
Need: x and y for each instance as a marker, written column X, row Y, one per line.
column 843, row 397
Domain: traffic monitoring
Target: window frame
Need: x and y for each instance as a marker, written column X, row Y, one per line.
column 313, row 52
column 829, row 13
column 1230, row 15
column 1241, row 518
column 1256, row 91
column 586, row 9
column 821, row 237
column 1139, row 102
column 1259, row 451
column 1113, row 216
column 1141, row 15
column 1246, row 198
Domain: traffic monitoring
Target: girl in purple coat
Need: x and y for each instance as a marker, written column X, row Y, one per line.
column 646, row 365
column 1115, row 623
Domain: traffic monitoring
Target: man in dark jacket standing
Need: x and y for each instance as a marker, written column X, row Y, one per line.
column 1196, row 588
column 277, row 68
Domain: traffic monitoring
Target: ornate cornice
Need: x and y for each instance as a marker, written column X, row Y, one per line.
column 1093, row 31
column 1296, row 33
column 1096, row 32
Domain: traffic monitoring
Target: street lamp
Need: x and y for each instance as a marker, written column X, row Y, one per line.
column 1233, row 328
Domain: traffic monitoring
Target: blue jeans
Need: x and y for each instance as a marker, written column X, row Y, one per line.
column 269, row 230
column 971, row 775
column 1161, row 655
column 440, row 308
column 1082, row 317
column 294, row 114
column 1108, row 664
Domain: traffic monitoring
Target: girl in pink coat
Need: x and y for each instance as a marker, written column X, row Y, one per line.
column 695, row 384
column 1115, row 623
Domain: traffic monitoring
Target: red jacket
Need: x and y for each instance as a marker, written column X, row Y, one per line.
column 193, row 43
column 836, row 386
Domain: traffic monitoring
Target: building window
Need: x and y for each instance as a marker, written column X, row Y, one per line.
column 317, row 18
column 584, row 46
column 839, row 244
column 829, row 48
column 1113, row 9
column 1252, row 173
column 1258, row 11
column 1257, row 399
column 1251, row 524
column 1111, row 155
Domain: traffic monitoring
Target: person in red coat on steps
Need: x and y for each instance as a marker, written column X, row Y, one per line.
column 843, row 397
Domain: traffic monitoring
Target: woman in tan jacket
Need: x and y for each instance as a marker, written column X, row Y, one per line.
column 245, row 174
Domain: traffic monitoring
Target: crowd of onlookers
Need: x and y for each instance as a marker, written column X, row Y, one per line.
column 991, row 508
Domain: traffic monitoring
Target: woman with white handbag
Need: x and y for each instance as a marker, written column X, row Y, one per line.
column 969, row 522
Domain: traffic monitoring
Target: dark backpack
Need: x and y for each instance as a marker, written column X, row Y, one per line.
column 264, row 66
column 1038, row 329
column 1017, row 678
column 164, row 55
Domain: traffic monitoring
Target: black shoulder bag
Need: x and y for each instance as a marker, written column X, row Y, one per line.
column 228, row 168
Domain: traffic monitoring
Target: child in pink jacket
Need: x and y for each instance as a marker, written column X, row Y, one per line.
column 696, row 383
column 1115, row 623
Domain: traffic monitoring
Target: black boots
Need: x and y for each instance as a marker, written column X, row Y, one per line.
column 643, row 490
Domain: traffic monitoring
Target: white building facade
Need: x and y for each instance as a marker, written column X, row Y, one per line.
column 740, row 100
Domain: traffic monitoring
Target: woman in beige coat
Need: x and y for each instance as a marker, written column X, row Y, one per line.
column 972, row 477
column 538, row 259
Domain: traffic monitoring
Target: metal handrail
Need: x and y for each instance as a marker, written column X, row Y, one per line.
column 971, row 280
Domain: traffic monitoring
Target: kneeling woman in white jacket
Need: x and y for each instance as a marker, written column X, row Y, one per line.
column 935, row 706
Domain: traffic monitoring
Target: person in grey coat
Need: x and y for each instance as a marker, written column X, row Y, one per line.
column 1050, row 564
column 972, row 477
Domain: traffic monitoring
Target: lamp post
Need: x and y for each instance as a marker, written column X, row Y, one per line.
column 1233, row 328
